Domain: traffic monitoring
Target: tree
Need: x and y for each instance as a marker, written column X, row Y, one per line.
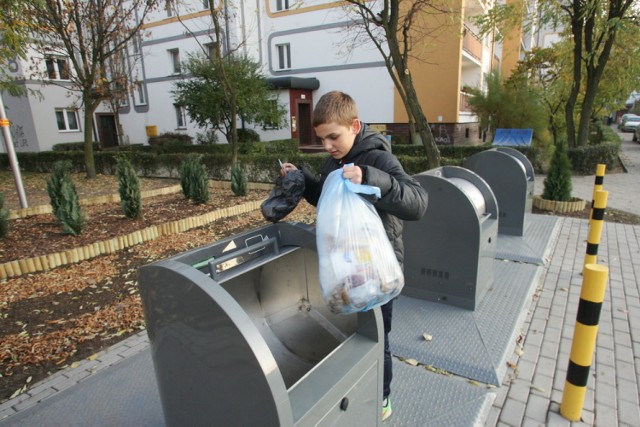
column 90, row 33
column 205, row 94
column 544, row 70
column 395, row 27
column 15, row 29
column 509, row 104
column 591, row 26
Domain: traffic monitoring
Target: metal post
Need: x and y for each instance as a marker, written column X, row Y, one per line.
column 13, row 159
column 598, row 184
column 594, row 283
column 595, row 226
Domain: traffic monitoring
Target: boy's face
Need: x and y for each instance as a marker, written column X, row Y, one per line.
column 337, row 139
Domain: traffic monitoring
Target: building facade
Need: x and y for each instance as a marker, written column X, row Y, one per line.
column 306, row 48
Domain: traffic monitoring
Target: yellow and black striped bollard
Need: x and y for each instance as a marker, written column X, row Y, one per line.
column 595, row 226
column 584, row 340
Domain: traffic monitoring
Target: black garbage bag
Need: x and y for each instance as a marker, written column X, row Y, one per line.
column 284, row 197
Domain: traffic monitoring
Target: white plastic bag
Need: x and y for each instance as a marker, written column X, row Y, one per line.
column 358, row 266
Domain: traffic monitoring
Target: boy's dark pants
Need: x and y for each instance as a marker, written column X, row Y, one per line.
column 387, row 312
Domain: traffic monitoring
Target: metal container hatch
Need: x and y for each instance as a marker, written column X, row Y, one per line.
column 449, row 253
column 240, row 335
column 511, row 177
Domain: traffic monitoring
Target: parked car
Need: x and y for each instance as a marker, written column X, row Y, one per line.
column 623, row 119
column 636, row 134
column 630, row 124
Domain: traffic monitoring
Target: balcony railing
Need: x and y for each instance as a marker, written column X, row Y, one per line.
column 472, row 44
column 464, row 102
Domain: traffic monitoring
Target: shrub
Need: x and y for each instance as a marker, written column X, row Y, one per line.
column 129, row 189
column 193, row 179
column 64, row 198
column 248, row 135
column 170, row 138
column 238, row 180
column 4, row 218
column 209, row 137
column 557, row 184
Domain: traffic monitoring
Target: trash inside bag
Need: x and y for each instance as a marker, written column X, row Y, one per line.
column 358, row 267
column 285, row 196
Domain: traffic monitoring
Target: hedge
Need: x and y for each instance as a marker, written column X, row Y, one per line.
column 261, row 161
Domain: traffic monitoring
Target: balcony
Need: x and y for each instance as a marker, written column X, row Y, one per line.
column 472, row 44
column 464, row 102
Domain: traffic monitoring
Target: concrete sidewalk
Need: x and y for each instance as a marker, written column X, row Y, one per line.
column 532, row 389
column 532, row 393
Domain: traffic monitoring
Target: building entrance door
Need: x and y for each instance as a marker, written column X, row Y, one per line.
column 107, row 131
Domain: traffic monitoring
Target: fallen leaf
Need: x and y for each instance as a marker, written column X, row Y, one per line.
column 427, row 337
column 412, row 362
column 519, row 351
column 474, row 383
column 94, row 356
column 512, row 365
column 536, row 388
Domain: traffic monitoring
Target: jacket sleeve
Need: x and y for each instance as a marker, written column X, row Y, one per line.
column 312, row 187
column 402, row 195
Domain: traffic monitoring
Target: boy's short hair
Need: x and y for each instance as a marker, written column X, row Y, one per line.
column 335, row 107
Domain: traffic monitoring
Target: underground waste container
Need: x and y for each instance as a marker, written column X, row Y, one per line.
column 240, row 336
column 450, row 251
column 511, row 177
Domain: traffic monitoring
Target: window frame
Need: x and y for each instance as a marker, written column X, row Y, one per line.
column 181, row 116
column 174, row 56
column 65, row 116
column 57, row 67
column 282, row 5
column 283, row 51
column 139, row 94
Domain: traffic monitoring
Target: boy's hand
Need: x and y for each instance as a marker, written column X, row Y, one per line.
column 287, row 167
column 352, row 173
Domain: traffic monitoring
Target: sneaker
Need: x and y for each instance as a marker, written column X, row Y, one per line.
column 386, row 409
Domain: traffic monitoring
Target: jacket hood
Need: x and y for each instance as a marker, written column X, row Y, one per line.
column 368, row 139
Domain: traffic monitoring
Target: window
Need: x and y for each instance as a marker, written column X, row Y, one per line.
column 174, row 54
column 210, row 49
column 57, row 68
column 181, row 116
column 169, row 7
column 139, row 96
column 282, row 5
column 67, row 120
column 284, row 56
column 205, row 4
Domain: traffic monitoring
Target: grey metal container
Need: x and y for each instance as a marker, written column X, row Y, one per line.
column 449, row 253
column 240, row 336
column 511, row 177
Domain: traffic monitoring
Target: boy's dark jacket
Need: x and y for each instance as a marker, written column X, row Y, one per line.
column 403, row 198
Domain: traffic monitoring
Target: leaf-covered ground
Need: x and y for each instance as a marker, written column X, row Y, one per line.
column 53, row 319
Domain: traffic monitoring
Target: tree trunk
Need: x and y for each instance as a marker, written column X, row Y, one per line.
column 89, row 162
column 576, row 29
column 422, row 125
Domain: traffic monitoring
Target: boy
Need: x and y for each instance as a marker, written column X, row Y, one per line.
column 348, row 140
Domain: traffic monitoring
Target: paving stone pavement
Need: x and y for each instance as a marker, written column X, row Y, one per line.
column 533, row 390
column 533, row 387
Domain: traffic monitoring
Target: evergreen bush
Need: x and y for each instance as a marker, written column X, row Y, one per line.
column 557, row 184
column 129, row 189
column 4, row 218
column 193, row 179
column 238, row 180
column 64, row 198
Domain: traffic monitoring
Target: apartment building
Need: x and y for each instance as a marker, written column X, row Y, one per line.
column 306, row 48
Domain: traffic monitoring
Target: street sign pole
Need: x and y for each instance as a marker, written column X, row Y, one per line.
column 13, row 159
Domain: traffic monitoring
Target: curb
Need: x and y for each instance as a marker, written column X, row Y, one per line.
column 36, row 264
column 115, row 198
